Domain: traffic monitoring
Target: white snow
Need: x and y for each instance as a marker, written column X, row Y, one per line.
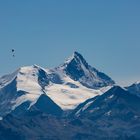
column 69, row 98
column 7, row 79
column 62, row 94
column 84, row 108
column 108, row 113
column 87, row 105
column 1, row 118
column 110, row 97
column 27, row 80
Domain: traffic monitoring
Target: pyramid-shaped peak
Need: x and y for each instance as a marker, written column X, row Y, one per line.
column 78, row 69
column 77, row 54
column 77, row 59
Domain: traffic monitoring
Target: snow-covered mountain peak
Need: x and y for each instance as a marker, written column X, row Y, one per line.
column 7, row 79
column 76, row 59
column 30, row 69
column 32, row 76
column 78, row 69
column 79, row 57
column 24, row 85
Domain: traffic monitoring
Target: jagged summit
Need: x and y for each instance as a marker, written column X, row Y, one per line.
column 77, row 57
column 78, row 69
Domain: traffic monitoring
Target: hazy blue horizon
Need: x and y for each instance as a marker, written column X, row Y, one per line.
column 106, row 33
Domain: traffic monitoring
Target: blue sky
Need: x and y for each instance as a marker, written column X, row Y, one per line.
column 46, row 32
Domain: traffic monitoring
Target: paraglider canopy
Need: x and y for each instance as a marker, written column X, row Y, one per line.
column 13, row 52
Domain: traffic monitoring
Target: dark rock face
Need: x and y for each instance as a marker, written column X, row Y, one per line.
column 55, row 78
column 43, row 79
column 78, row 69
column 7, row 94
column 74, row 68
column 46, row 105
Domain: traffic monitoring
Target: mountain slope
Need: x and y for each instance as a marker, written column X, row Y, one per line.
column 134, row 88
column 112, row 103
column 113, row 115
column 24, row 85
column 43, row 105
column 46, row 105
column 78, row 69
column 73, row 101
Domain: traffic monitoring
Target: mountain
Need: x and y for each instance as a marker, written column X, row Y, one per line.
column 113, row 115
column 112, row 103
column 134, row 88
column 23, row 86
column 72, row 91
column 65, row 86
column 73, row 101
column 78, row 69
column 43, row 105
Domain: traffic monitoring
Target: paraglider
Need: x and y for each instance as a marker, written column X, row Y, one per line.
column 13, row 52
